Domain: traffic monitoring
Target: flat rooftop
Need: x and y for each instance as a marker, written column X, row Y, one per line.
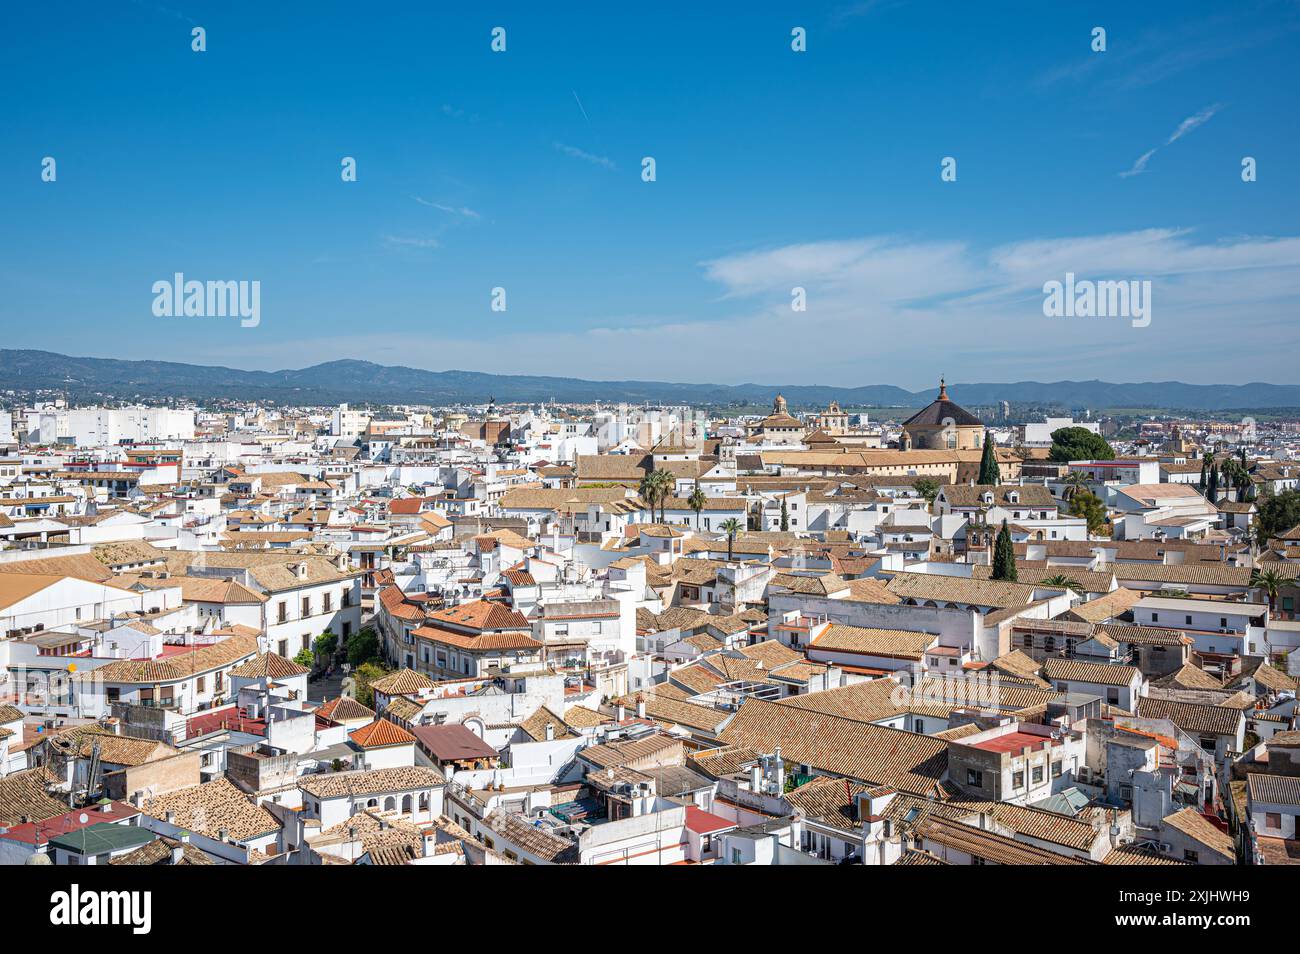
column 1013, row 742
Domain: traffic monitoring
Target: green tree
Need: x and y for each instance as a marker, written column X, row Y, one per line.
column 785, row 516
column 366, row 675
column 1270, row 581
column 731, row 526
column 1212, row 488
column 305, row 658
column 655, row 488
column 363, row 647
column 1079, row 443
column 1279, row 513
column 927, row 487
column 990, row 473
column 326, row 644
column 1090, row 507
column 1004, row 556
column 697, row 502
column 1075, row 481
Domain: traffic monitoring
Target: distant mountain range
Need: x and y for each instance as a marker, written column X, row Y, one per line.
column 361, row 381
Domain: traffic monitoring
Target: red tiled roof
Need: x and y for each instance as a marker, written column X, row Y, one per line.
column 380, row 733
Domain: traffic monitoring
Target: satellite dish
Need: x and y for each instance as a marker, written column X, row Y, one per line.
column 83, row 818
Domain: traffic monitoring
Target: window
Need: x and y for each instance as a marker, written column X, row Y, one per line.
column 1273, row 819
column 284, row 612
column 1056, row 769
column 1017, row 779
column 329, row 602
column 1112, row 696
column 284, row 647
column 1187, row 621
column 1155, row 617
column 974, row 778
column 1036, row 775
column 1189, row 855
column 306, row 606
column 200, row 684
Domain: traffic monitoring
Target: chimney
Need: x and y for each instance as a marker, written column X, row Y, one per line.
column 755, row 778
column 640, row 707
column 550, row 732
column 622, row 712
column 170, row 818
column 178, row 852
column 223, row 835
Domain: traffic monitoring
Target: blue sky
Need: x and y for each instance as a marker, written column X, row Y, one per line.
column 775, row 169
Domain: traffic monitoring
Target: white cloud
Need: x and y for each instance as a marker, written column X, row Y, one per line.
column 888, row 309
column 577, row 153
column 462, row 211
column 399, row 241
column 1186, row 126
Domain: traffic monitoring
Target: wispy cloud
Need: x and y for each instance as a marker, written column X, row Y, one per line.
column 577, row 153
column 400, row 241
column 1140, row 165
column 1189, row 124
column 463, row 211
column 917, row 302
column 1192, row 122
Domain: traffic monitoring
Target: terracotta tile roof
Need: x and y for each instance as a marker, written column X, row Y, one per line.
column 988, row 845
column 535, row 841
column 478, row 642
column 1194, row 825
column 212, row 807
column 25, row 793
column 481, row 615
column 402, row 682
column 952, row 589
column 535, row 725
column 1188, row 677
column 271, row 665
column 896, row 643
column 1275, row 789
column 379, row 781
column 171, row 668
column 379, row 734
column 160, row 852
column 1075, row 670
column 345, row 709
column 858, row 750
column 1190, row 716
column 1133, row 855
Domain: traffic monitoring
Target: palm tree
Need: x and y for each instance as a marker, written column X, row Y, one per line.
column 1270, row 581
column 1062, row 582
column 654, row 489
column 697, row 501
column 665, row 483
column 1075, row 481
column 731, row 526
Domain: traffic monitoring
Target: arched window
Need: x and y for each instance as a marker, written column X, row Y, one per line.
column 390, row 803
column 372, row 803
column 406, row 804
column 424, row 801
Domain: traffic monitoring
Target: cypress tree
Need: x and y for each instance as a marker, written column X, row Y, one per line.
column 785, row 517
column 989, row 470
column 1212, row 488
column 1004, row 556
